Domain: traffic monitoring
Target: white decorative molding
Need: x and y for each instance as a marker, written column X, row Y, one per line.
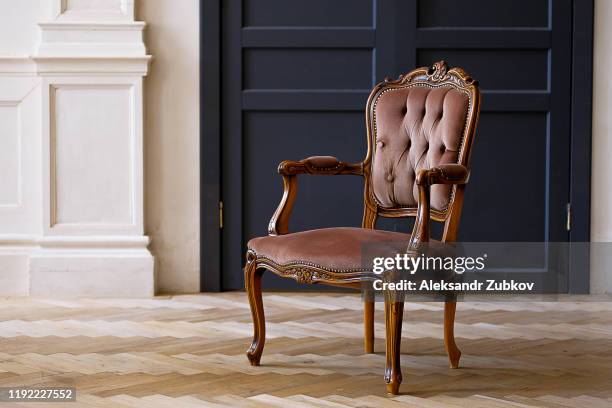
column 10, row 155
column 108, row 65
column 81, row 39
column 94, row 242
column 19, row 168
column 17, row 66
column 71, row 157
column 92, row 47
column 92, row 158
column 18, row 240
column 14, row 264
column 71, row 242
column 20, row 197
column 102, row 272
column 67, row 10
column 92, row 187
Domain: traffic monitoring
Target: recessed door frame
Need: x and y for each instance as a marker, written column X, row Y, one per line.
column 210, row 146
column 211, row 128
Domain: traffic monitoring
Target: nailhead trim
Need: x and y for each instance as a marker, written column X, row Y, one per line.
column 307, row 263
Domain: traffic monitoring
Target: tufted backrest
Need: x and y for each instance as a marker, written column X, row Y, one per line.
column 423, row 119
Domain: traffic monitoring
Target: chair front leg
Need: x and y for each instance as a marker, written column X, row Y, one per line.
column 368, row 326
column 252, row 284
column 394, row 311
column 449, row 333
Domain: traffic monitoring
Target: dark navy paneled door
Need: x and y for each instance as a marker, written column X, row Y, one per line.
column 295, row 79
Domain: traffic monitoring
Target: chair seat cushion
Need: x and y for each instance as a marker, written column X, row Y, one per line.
column 334, row 249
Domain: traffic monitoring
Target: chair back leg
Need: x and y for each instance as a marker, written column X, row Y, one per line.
column 368, row 326
column 453, row 352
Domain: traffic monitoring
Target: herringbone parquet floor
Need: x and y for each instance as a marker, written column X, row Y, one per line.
column 188, row 351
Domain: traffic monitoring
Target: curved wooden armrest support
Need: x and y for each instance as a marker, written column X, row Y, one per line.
column 279, row 223
column 442, row 174
column 318, row 165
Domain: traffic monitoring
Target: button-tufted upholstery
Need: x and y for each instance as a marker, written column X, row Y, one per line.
column 417, row 126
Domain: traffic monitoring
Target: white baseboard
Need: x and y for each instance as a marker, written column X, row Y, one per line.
column 91, row 274
column 14, row 274
column 77, row 267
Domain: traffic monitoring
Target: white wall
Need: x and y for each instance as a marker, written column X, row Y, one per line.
column 601, row 196
column 172, row 142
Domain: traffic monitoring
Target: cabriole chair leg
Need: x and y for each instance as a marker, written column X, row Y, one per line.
column 252, row 283
column 394, row 311
column 453, row 352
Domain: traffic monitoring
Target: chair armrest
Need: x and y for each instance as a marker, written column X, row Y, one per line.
column 451, row 173
column 319, row 165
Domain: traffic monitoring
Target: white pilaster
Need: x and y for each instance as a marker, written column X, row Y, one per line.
column 89, row 235
column 20, row 193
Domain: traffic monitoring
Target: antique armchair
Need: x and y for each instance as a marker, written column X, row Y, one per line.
column 420, row 130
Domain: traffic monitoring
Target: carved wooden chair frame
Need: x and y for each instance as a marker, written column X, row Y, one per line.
column 456, row 174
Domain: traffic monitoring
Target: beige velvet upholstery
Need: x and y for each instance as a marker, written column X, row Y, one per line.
column 338, row 249
column 415, row 127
